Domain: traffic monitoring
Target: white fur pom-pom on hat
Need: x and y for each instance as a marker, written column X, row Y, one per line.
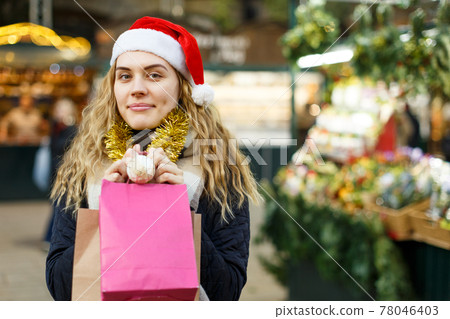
column 202, row 94
column 174, row 44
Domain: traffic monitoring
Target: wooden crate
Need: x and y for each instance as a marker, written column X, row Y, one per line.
column 397, row 221
column 429, row 231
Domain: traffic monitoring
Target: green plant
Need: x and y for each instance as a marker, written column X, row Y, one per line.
column 277, row 10
column 223, row 14
column 440, row 60
column 377, row 52
column 315, row 31
column 358, row 243
column 415, row 71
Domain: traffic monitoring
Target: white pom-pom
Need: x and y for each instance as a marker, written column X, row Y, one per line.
column 203, row 94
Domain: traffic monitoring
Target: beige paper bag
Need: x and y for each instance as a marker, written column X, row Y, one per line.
column 86, row 259
column 197, row 227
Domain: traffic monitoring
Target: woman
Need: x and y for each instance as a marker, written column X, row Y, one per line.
column 156, row 82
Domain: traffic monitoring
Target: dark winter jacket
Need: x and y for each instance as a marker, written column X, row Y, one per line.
column 224, row 253
column 60, row 138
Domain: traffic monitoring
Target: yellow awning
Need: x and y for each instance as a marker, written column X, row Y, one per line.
column 42, row 36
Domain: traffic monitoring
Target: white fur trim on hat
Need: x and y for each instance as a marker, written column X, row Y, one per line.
column 202, row 94
column 155, row 42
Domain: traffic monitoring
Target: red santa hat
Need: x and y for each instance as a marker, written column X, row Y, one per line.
column 174, row 44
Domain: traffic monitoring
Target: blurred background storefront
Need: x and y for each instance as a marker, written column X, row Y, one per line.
column 60, row 49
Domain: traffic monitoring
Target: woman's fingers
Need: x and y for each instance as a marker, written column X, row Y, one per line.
column 117, row 172
column 166, row 171
column 128, row 155
column 169, row 178
column 158, row 156
column 169, row 173
column 137, row 148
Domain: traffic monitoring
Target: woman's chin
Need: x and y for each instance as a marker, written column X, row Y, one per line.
column 141, row 126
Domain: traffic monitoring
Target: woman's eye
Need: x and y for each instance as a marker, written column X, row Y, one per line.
column 154, row 76
column 124, row 76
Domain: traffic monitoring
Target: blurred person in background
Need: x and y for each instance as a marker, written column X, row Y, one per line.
column 62, row 130
column 407, row 128
column 414, row 137
column 24, row 124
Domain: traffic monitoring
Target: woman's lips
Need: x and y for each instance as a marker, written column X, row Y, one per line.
column 140, row 107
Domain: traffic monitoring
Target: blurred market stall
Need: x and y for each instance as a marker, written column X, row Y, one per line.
column 363, row 207
column 36, row 61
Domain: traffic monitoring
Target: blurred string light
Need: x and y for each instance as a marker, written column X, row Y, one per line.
column 78, row 70
column 339, row 55
column 9, row 57
column 343, row 54
column 314, row 110
column 428, row 34
column 43, row 36
column 54, row 68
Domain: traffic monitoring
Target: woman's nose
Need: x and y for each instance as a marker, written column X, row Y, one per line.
column 139, row 88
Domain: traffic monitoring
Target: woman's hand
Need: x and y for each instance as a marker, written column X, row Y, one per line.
column 163, row 170
column 117, row 172
column 166, row 171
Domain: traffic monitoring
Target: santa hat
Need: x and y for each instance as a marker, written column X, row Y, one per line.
column 174, row 44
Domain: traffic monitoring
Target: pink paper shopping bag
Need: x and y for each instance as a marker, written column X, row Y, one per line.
column 146, row 242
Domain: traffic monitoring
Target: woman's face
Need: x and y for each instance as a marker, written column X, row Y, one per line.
column 146, row 88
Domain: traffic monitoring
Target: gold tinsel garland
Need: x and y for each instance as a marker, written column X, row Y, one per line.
column 170, row 136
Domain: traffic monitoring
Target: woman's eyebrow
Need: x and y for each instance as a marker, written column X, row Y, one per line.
column 145, row 68
column 152, row 66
